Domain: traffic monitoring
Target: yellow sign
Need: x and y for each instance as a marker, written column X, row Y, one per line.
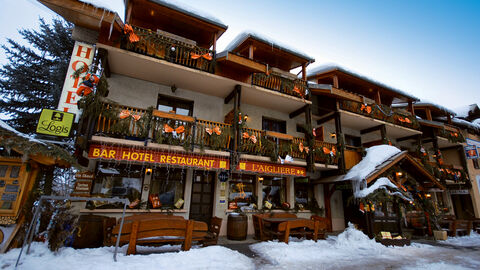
column 56, row 123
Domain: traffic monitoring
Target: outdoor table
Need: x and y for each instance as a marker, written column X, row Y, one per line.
column 273, row 222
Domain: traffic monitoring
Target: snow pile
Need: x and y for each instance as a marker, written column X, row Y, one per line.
column 354, row 250
column 472, row 240
column 381, row 183
column 214, row 257
column 376, row 155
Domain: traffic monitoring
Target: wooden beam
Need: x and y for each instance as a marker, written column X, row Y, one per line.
column 412, row 137
column 215, row 43
column 298, row 112
column 335, row 81
column 411, row 108
column 429, row 114
column 250, row 51
column 325, row 118
column 173, row 116
column 279, row 135
column 304, row 72
column 230, row 96
column 240, row 60
column 372, row 129
column 378, row 99
column 129, row 12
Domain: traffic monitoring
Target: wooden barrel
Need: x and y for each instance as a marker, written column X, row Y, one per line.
column 237, row 225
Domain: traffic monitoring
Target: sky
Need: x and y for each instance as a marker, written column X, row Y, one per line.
column 430, row 49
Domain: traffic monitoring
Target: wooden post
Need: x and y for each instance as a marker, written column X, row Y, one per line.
column 250, row 51
column 310, row 139
column 411, row 109
column 215, row 42
column 378, row 99
column 188, row 235
column 236, row 109
column 129, row 12
column 335, row 81
column 340, row 142
column 304, row 72
column 132, row 244
column 383, row 133
column 327, row 195
column 429, row 114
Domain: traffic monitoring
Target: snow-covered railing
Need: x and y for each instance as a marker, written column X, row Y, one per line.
column 292, row 87
column 161, row 46
column 381, row 112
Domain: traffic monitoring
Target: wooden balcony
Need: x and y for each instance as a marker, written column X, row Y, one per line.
column 451, row 133
column 171, row 49
column 381, row 112
column 163, row 128
column 282, row 84
column 273, row 144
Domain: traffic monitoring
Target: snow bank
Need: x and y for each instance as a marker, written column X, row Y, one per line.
column 376, row 155
column 472, row 240
column 354, row 250
column 214, row 257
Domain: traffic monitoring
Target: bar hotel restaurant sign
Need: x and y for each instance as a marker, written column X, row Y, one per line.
column 198, row 161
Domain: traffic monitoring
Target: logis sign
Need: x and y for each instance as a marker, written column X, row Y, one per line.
column 82, row 57
column 56, row 123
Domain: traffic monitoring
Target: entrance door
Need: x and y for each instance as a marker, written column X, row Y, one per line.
column 201, row 205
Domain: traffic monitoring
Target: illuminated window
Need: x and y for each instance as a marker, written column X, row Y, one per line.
column 241, row 191
column 274, row 191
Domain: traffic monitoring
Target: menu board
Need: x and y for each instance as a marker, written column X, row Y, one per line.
column 10, row 185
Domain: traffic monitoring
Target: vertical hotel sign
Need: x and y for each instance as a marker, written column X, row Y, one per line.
column 82, row 58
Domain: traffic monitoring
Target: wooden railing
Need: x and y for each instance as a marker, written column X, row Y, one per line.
column 292, row 87
column 381, row 112
column 283, row 144
column 160, row 46
column 162, row 127
column 451, row 133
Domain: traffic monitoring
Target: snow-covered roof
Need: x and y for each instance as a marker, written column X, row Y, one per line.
column 382, row 183
column 237, row 41
column 114, row 6
column 331, row 67
column 7, row 127
column 466, row 111
column 183, row 8
column 475, row 124
column 425, row 102
column 376, row 155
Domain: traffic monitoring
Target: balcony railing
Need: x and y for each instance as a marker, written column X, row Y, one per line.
column 292, row 87
column 273, row 145
column 162, row 127
column 163, row 47
column 381, row 112
column 451, row 133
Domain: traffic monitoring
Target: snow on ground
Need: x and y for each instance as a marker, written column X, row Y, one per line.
column 349, row 250
column 213, row 257
column 473, row 240
column 354, row 250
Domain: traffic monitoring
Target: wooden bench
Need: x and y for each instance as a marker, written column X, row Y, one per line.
column 299, row 227
column 258, row 224
column 324, row 225
column 144, row 231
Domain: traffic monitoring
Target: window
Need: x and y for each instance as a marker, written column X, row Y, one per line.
column 167, row 187
column 475, row 164
column 241, row 191
column 303, row 192
column 353, row 140
column 121, row 181
column 274, row 125
column 175, row 105
column 274, row 190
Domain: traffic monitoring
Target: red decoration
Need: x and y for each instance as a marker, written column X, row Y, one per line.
column 86, row 87
column 128, row 30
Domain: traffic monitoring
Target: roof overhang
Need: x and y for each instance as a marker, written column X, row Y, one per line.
column 237, row 61
column 159, row 71
column 83, row 14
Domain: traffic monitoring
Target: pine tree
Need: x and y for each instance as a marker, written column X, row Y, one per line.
column 34, row 75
